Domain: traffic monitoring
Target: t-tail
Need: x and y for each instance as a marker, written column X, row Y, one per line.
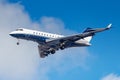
column 89, row 38
column 93, row 31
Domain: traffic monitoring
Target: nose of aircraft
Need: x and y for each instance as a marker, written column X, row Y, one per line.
column 12, row 34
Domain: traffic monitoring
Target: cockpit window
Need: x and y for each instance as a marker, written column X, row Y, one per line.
column 19, row 29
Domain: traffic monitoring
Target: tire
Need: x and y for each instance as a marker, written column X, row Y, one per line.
column 53, row 52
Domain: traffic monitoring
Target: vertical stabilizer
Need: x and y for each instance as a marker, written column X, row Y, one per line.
column 88, row 39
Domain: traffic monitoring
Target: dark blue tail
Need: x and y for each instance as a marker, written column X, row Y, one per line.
column 88, row 39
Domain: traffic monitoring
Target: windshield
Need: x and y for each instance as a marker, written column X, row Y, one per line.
column 19, row 29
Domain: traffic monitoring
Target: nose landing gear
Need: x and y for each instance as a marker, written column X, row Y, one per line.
column 18, row 42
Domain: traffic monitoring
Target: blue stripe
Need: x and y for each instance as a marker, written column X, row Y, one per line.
column 30, row 37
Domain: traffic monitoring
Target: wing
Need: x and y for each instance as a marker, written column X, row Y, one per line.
column 65, row 42
column 86, row 33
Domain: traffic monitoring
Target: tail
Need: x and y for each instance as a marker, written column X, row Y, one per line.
column 89, row 38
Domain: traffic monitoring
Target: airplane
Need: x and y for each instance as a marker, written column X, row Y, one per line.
column 49, row 43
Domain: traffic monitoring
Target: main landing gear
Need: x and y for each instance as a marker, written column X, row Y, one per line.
column 52, row 51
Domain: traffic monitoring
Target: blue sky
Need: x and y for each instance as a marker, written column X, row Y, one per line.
column 76, row 15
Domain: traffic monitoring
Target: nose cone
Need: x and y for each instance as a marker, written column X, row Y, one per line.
column 12, row 34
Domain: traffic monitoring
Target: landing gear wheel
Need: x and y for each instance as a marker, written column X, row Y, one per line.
column 46, row 54
column 18, row 43
column 62, row 47
column 53, row 52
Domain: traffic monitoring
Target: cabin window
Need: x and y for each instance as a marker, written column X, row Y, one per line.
column 42, row 34
column 37, row 33
column 19, row 29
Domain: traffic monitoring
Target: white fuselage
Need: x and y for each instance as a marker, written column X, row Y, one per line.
column 41, row 37
column 33, row 35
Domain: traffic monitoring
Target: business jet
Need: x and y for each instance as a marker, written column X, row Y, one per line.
column 49, row 43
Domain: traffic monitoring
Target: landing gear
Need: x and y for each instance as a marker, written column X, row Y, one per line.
column 42, row 55
column 18, row 42
column 53, row 52
column 62, row 46
column 46, row 54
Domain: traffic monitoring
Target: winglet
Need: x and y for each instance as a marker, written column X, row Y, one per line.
column 109, row 26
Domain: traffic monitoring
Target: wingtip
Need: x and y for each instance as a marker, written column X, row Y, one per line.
column 109, row 26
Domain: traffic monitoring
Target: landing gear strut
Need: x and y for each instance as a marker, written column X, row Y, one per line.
column 18, row 42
